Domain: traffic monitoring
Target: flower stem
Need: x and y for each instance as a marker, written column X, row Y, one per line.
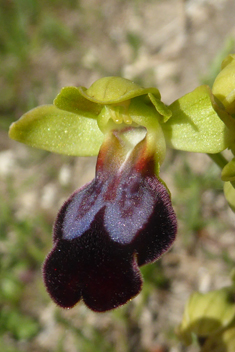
column 219, row 159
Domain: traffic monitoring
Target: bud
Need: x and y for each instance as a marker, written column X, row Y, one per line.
column 207, row 314
column 224, row 85
column 222, row 342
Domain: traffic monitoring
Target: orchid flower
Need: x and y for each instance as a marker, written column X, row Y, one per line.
column 123, row 219
column 209, row 319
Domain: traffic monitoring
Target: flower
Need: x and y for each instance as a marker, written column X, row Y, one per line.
column 121, row 220
column 209, row 318
column 207, row 314
column 77, row 121
column 124, row 218
column 223, row 341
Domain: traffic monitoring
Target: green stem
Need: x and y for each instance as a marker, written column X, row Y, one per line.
column 219, row 159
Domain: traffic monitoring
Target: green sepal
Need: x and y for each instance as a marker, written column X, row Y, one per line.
column 195, row 126
column 228, row 172
column 161, row 108
column 229, row 192
column 47, row 127
column 114, row 90
column 71, row 99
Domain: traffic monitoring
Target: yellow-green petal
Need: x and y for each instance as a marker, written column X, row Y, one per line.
column 228, row 172
column 195, row 126
column 47, row 127
column 229, row 192
column 114, row 90
column 161, row 108
column 71, row 99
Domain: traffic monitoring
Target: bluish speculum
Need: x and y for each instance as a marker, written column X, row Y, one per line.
column 117, row 187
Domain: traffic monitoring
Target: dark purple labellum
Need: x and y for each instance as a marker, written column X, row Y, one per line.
column 121, row 220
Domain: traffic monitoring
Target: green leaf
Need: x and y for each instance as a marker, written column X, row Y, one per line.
column 47, row 127
column 195, row 126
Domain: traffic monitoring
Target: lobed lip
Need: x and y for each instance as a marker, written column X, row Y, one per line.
column 93, row 268
column 121, row 220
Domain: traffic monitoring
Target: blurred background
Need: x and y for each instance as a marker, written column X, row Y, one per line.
column 44, row 45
